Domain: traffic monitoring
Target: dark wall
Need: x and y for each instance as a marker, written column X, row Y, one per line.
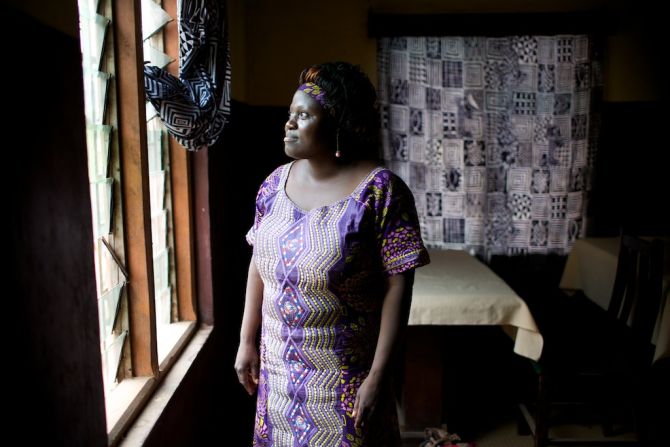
column 250, row 149
column 56, row 379
column 192, row 417
column 630, row 183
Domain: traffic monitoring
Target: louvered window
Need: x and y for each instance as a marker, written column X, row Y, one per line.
column 140, row 213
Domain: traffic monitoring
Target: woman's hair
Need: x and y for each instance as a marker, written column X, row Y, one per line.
column 352, row 107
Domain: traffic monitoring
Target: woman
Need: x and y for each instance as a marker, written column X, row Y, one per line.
column 334, row 235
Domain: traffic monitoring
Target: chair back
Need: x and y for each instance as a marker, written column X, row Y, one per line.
column 636, row 296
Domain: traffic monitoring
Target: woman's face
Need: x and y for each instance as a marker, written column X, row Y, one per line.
column 305, row 130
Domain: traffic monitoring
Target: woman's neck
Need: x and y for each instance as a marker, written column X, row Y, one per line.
column 322, row 169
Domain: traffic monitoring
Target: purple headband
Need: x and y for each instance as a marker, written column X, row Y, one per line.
column 315, row 92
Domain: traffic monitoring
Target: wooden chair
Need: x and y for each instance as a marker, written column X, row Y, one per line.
column 597, row 360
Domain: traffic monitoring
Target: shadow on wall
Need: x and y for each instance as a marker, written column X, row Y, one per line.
column 630, row 183
column 249, row 150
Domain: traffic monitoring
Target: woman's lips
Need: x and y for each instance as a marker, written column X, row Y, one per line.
column 290, row 139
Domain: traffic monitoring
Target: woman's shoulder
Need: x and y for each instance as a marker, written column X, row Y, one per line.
column 383, row 184
column 276, row 175
column 273, row 181
column 387, row 180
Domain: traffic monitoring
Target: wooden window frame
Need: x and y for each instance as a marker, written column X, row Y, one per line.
column 192, row 255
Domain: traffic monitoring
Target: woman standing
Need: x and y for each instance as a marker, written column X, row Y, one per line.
column 333, row 237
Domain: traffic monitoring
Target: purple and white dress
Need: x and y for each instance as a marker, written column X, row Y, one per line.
column 323, row 272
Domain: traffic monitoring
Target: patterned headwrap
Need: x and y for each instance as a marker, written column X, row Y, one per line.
column 315, row 92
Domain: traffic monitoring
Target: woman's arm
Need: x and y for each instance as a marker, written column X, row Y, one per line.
column 247, row 361
column 392, row 322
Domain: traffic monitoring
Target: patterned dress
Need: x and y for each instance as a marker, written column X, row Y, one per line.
column 324, row 273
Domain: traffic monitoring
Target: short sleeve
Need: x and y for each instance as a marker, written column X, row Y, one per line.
column 266, row 191
column 398, row 229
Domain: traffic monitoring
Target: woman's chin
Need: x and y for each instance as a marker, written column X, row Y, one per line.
column 291, row 151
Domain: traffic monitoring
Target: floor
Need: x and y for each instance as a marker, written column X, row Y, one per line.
column 482, row 382
column 483, row 378
column 480, row 385
column 504, row 435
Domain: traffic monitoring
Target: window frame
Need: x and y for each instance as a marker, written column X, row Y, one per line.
column 131, row 395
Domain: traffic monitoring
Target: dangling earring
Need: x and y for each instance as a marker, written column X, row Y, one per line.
column 338, row 154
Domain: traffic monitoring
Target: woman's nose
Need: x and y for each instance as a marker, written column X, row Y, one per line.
column 290, row 123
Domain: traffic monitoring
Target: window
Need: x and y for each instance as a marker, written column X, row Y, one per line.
column 104, row 177
column 140, row 190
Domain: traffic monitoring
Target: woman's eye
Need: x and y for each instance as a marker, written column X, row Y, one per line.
column 298, row 115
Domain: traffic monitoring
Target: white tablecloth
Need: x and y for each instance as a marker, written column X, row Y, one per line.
column 457, row 289
column 591, row 268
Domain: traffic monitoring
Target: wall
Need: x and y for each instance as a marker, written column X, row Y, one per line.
column 272, row 41
column 55, row 380
column 284, row 37
column 634, row 53
column 60, row 15
column 291, row 36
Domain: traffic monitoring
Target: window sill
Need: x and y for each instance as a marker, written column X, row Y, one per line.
column 136, row 404
column 171, row 339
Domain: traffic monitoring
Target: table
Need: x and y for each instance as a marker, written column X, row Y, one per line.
column 591, row 268
column 455, row 289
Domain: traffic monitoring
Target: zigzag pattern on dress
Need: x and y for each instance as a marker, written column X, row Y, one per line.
column 268, row 258
column 196, row 106
column 325, row 312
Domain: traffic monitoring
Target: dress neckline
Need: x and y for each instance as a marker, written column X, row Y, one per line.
column 287, row 169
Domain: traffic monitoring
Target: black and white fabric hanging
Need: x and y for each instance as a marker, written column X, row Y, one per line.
column 196, row 106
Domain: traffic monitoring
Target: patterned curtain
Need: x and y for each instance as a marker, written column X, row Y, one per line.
column 196, row 106
column 495, row 136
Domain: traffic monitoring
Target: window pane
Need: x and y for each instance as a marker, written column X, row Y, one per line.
column 111, row 357
column 163, row 301
column 151, row 112
column 95, row 87
column 98, row 139
column 108, row 305
column 153, row 18
column 155, row 57
column 161, row 271
column 101, row 202
column 159, row 232
column 93, row 28
column 97, row 66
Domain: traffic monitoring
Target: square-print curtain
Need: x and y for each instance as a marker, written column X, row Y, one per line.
column 495, row 136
